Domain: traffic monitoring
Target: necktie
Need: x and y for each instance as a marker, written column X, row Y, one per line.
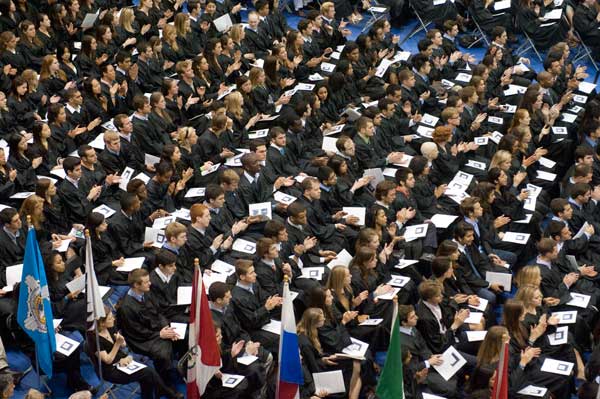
column 471, row 264
column 282, row 151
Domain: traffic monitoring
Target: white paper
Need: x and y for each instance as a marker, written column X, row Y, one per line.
column 223, row 23
column 156, row 236
column 195, row 192
column 131, row 264
column 131, row 367
column 359, row 212
column 209, row 279
column 476, row 336
column 581, row 231
column 77, row 284
column 274, row 327
column 463, row 77
column 247, row 360
column 143, row 177
column 184, row 295
column 98, row 142
column 481, row 140
column 231, row 380
column 581, row 99
column 64, row 245
column 257, row 134
column 389, row 295
column 89, row 20
column 586, row 87
column 357, row 348
column 529, row 203
column 105, row 210
column 557, row 366
column 532, row 390
column 222, row 267
column 125, row 177
column 329, row 144
column 411, row 233
column 377, row 174
column 283, row 197
column 260, row 209
column 501, row 5
column 554, row 14
column 543, row 175
column 405, row 263
column 431, row 396
column 210, row 170
column 65, row 345
column 405, row 160
column 13, row 276
column 568, row 317
column 327, row 67
column 452, row 362
column 496, row 120
column 244, row 246
column 476, row 164
column 569, row 118
column 482, row 304
column 474, row 318
column 22, row 195
column 424, row 131
column 502, row 279
column 517, row 238
column 342, row 259
column 150, row 159
column 371, row 322
column 398, row 281
column 313, row 272
column 162, row 223
column 526, row 220
column 560, row 336
column 547, row 163
column 329, row 381
column 180, row 329
column 559, row 130
column 430, row 120
column 579, row 300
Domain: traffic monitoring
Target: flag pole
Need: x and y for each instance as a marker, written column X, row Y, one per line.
column 37, row 361
column 93, row 293
column 285, row 284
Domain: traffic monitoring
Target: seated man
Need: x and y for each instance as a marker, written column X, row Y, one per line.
column 77, row 201
column 145, row 328
column 164, row 284
column 253, row 308
column 219, row 295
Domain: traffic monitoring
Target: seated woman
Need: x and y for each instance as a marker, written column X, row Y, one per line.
column 544, row 33
column 106, row 255
column 66, row 305
column 318, row 360
column 537, row 320
column 113, row 353
column 522, row 341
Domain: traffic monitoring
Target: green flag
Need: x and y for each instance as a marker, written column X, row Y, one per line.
column 391, row 384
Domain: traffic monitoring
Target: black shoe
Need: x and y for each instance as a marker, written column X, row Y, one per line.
column 171, row 393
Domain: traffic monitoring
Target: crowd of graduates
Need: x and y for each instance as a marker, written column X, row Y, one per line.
column 181, row 135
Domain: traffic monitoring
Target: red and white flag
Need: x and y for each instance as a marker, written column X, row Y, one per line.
column 500, row 389
column 206, row 359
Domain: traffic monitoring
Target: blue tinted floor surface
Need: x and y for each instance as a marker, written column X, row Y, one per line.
column 18, row 361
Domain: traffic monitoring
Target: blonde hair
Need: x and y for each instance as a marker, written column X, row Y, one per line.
column 183, row 134
column 31, row 77
column 526, row 293
column 500, row 157
column 254, row 75
column 169, row 30
column 327, row 6
column 337, row 284
column 235, row 33
column 180, row 24
column 528, row 275
column 233, row 104
column 308, row 326
column 126, row 19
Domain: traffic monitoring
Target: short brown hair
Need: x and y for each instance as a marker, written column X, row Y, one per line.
column 174, row 229
column 135, row 277
column 242, row 266
column 429, row 289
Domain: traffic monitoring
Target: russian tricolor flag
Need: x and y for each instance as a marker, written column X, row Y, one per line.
column 290, row 368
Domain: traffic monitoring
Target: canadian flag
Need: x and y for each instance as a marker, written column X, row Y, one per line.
column 206, row 359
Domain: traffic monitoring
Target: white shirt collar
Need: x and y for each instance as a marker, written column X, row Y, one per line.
column 165, row 279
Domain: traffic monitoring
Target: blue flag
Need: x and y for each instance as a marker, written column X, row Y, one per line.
column 35, row 312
